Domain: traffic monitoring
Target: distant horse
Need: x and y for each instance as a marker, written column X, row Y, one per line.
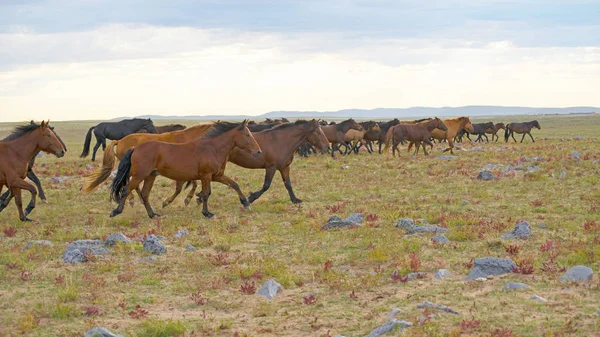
column 480, row 129
column 16, row 152
column 118, row 148
column 454, row 125
column 494, row 131
column 524, row 128
column 30, row 174
column 418, row 133
column 335, row 133
column 170, row 128
column 257, row 127
column 174, row 161
column 355, row 137
column 114, row 131
column 371, row 136
column 385, row 126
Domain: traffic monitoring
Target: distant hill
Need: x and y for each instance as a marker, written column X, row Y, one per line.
column 383, row 113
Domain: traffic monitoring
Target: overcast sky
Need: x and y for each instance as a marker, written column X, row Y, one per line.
column 92, row 59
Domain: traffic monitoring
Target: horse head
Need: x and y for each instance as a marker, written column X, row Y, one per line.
column 317, row 138
column 49, row 142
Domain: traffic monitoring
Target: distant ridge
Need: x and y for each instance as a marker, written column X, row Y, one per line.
column 382, row 113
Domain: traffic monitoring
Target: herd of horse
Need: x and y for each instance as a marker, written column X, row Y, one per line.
column 201, row 152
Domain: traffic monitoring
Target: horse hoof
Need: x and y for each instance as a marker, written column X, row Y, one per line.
column 247, row 207
column 26, row 219
column 186, row 201
column 296, row 201
column 208, row 214
column 154, row 216
column 28, row 211
column 45, row 201
column 113, row 213
column 164, row 204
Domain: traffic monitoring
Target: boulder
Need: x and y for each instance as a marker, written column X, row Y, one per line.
column 442, row 273
column 522, row 231
column 100, row 332
column 388, row 327
column 486, row 175
column 181, row 233
column 440, row 238
column 577, row 274
column 113, row 239
column 269, row 289
column 353, row 220
column 78, row 251
column 486, row 266
column 430, row 305
column 153, row 245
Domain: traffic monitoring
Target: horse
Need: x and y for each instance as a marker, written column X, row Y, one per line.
column 118, row 148
column 16, row 151
column 170, row 128
column 454, row 125
column 480, row 129
column 278, row 145
column 524, row 128
column 335, row 132
column 369, row 137
column 494, row 131
column 30, row 174
column 418, row 133
column 114, row 131
column 385, row 126
column 354, row 137
column 202, row 159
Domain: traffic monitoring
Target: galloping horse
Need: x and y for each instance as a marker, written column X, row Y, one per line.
column 114, row 131
column 480, row 129
column 170, row 128
column 335, row 132
column 201, row 159
column 16, row 152
column 418, row 133
column 524, row 128
column 494, row 131
column 118, row 148
column 454, row 125
column 354, row 137
column 384, row 129
column 30, row 174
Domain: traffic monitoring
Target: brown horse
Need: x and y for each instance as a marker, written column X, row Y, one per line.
column 494, row 131
column 201, row 159
column 385, row 126
column 118, row 148
column 454, row 125
column 480, row 129
column 16, row 151
column 335, row 132
column 418, row 133
column 170, row 128
column 354, row 137
column 524, row 128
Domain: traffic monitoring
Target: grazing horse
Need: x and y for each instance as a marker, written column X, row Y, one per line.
column 30, row 174
column 354, row 137
column 454, row 125
column 524, row 128
column 335, row 132
column 384, row 129
column 118, row 148
column 202, row 159
column 114, row 131
column 418, row 133
column 16, row 152
column 480, row 129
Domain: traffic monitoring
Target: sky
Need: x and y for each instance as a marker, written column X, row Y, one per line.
column 93, row 59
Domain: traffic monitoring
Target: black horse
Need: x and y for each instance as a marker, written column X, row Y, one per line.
column 480, row 129
column 114, row 131
column 524, row 128
column 5, row 198
column 384, row 129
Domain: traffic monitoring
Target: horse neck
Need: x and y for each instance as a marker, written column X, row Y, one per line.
column 296, row 137
column 431, row 125
column 344, row 127
column 223, row 145
column 26, row 146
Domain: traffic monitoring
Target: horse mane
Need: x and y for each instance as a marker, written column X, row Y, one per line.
column 220, row 128
column 287, row 125
column 22, row 130
column 422, row 120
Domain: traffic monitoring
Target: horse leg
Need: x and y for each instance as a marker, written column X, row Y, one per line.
column 37, row 183
column 427, row 142
column 512, row 134
column 223, row 179
column 19, row 203
column 269, row 173
column 178, row 188
column 522, row 138
column 203, row 197
column 333, row 149
column 190, row 195
column 285, row 175
column 6, row 198
column 99, row 141
column 531, row 137
column 148, row 183
column 133, row 184
column 16, row 187
column 451, row 146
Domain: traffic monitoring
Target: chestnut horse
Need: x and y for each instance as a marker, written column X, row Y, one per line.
column 454, row 125
column 354, row 137
column 418, row 133
column 494, row 131
column 335, row 132
column 201, row 159
column 16, row 151
column 524, row 128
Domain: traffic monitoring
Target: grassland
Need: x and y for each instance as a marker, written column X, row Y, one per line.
column 344, row 274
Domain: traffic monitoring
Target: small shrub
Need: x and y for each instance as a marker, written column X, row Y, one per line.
column 248, row 287
column 91, row 311
column 397, row 277
column 309, row 299
column 512, row 250
column 138, row 312
column 501, row 332
column 9, row 231
column 415, row 262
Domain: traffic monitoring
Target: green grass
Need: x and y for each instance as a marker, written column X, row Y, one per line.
column 284, row 241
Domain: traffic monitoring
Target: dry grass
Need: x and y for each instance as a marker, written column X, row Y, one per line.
column 336, row 281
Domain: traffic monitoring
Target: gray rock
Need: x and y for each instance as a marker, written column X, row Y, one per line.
column 100, row 332
column 440, row 238
column 446, row 157
column 190, row 248
column 483, row 267
column 77, row 251
column 486, row 175
column 442, row 273
column 113, row 239
column 269, row 289
column 542, row 225
column 577, row 274
column 405, row 223
column 538, row 298
column 562, row 175
column 354, row 220
column 522, row 231
column 416, row 275
column 514, row 286
column 153, row 245
column 575, row 155
column 412, row 229
column 38, row 243
column 428, row 304
column 393, row 313
column 388, row 327
column 148, row 259
column 181, row 233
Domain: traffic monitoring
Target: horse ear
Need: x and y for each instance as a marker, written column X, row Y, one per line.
column 43, row 125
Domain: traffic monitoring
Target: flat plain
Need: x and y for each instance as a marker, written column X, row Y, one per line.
column 335, row 281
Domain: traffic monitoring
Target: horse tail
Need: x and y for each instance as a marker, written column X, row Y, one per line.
column 98, row 177
column 119, row 184
column 506, row 132
column 388, row 139
column 88, row 142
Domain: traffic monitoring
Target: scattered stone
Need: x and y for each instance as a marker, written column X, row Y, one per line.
column 542, row 225
column 416, row 275
column 100, row 332
column 388, row 327
column 575, row 155
column 269, row 289
column 153, row 245
column 446, row 157
column 490, row 167
column 514, row 286
column 577, row 274
column 393, row 313
column 440, row 238
column 411, row 228
column 481, row 279
column 405, row 223
column 77, row 251
column 486, row 175
column 538, row 298
column 442, row 273
column 113, row 239
column 483, row 267
column 181, row 233
column 562, row 175
column 522, row 231
column 353, row 220
column 148, row 259
column 428, row 304
column 190, row 248
column 38, row 243
column 478, row 149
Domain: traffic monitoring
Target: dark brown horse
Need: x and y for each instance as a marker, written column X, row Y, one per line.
column 15, row 154
column 415, row 133
column 335, row 133
column 494, row 131
column 201, row 159
column 170, row 128
column 524, row 128
column 385, row 126
column 480, row 129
